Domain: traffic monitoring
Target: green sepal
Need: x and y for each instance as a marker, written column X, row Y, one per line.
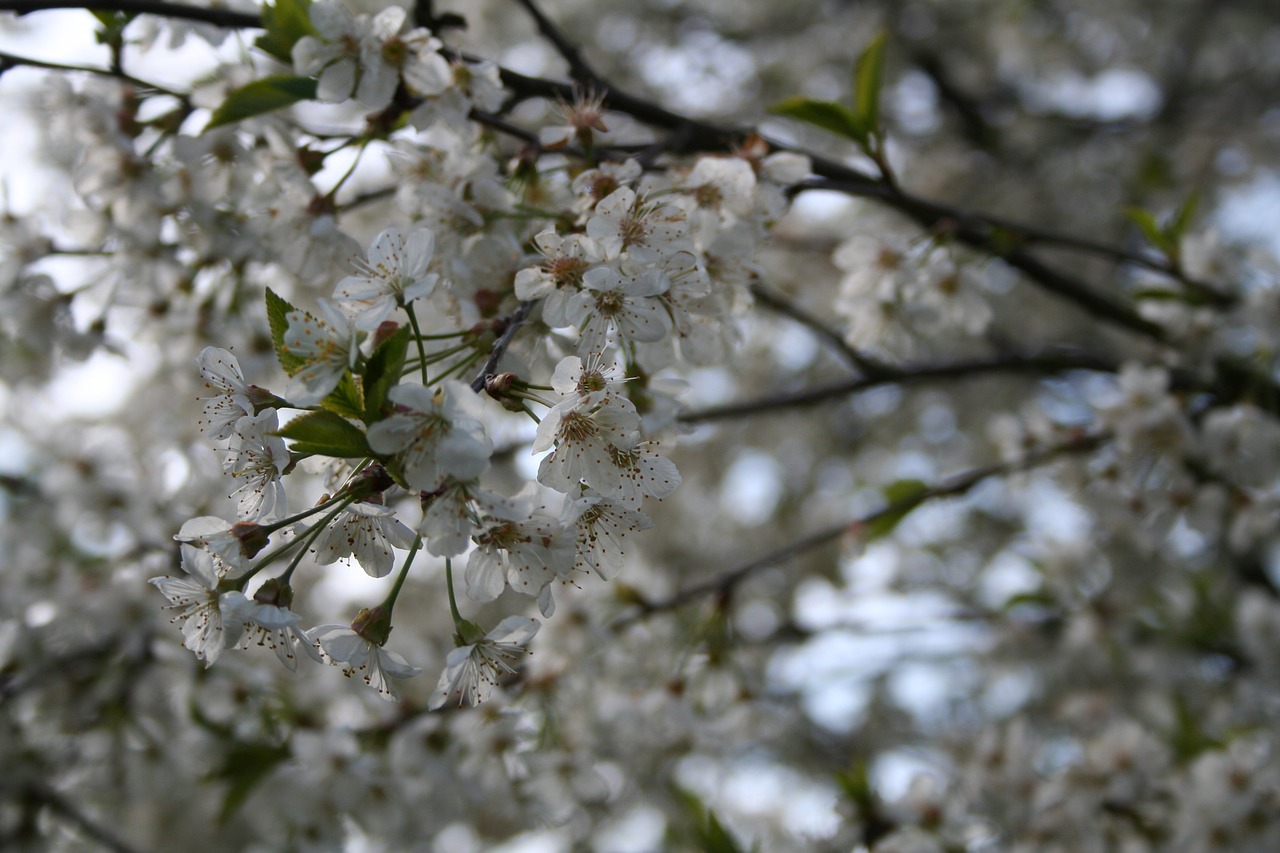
column 263, row 96
column 902, row 496
column 828, row 115
column 382, row 373
column 285, row 22
column 278, row 309
column 324, row 433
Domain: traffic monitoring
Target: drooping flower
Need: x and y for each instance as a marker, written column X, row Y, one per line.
column 366, row 530
column 358, row 650
column 600, row 525
column 211, row 620
column 394, row 274
column 472, row 671
column 230, row 400
column 257, row 457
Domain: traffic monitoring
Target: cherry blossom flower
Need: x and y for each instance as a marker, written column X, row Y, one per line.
column 521, row 546
column 436, row 434
column 230, row 400
column 276, row 628
column 258, row 457
column 623, row 303
column 211, row 620
column 472, row 671
column 586, row 428
column 387, row 56
column 394, row 274
column 356, row 648
column 601, row 524
column 326, row 346
column 334, row 53
column 366, row 530
column 624, row 222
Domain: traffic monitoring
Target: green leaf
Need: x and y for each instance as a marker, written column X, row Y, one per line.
column 278, row 310
column 382, row 373
column 1150, row 228
column 285, row 23
column 827, row 115
column 709, row 834
column 868, row 78
column 263, row 96
column 1177, row 228
column 902, row 496
column 113, row 25
column 345, row 400
column 324, row 433
column 243, row 766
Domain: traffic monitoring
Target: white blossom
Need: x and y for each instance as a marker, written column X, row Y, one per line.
column 472, row 671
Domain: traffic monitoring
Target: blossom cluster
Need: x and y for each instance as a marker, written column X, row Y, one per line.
column 623, row 271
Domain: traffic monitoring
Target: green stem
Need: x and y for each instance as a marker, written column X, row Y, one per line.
column 390, row 601
column 453, row 601
column 417, row 336
column 310, row 537
column 461, row 365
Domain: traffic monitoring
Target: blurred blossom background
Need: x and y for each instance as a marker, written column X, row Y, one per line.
column 975, row 543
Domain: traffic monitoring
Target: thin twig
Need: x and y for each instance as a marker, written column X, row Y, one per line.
column 514, row 322
column 11, row 60
column 722, row 585
column 579, row 70
column 867, row 364
column 1034, row 364
column 219, row 17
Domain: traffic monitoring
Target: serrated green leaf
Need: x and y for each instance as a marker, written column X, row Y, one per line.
column 1150, row 228
column 263, row 96
column 868, row 78
column 902, row 496
column 345, row 400
column 382, row 373
column 325, row 433
column 278, row 309
column 828, row 115
column 285, row 22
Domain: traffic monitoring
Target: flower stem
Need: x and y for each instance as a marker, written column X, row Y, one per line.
column 453, row 602
column 390, row 601
column 417, row 337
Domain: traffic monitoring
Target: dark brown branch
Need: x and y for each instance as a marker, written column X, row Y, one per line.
column 514, row 322
column 579, row 70
column 868, row 365
column 219, row 17
column 723, row 585
column 1036, row 365
column 46, row 795
column 11, row 60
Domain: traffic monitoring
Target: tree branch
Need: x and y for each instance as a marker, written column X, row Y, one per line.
column 723, row 585
column 579, row 70
column 1035, row 364
column 219, row 17
column 514, row 322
